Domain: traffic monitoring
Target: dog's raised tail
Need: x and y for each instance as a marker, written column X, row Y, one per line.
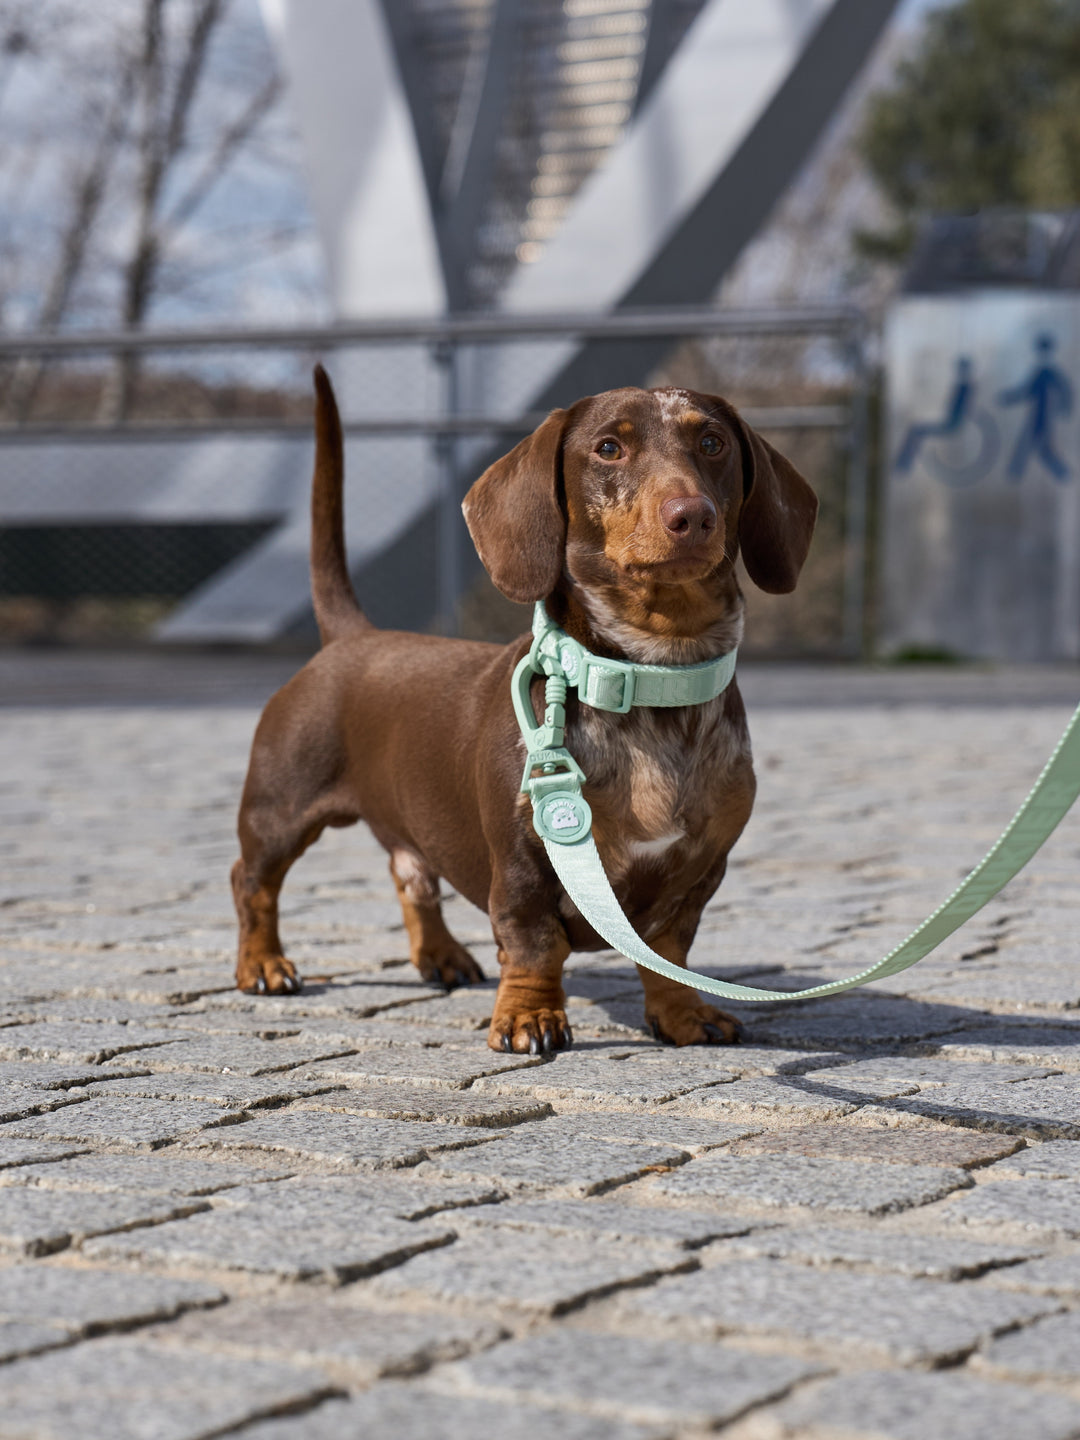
column 337, row 610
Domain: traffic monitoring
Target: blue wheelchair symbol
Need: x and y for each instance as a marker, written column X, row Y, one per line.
column 971, row 436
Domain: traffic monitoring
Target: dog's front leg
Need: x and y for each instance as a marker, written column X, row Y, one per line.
column 530, row 1012
column 676, row 1014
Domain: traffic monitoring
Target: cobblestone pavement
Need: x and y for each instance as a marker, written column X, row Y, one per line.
column 341, row 1215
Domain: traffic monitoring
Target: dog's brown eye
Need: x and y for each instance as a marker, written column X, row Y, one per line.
column 609, row 450
column 711, row 444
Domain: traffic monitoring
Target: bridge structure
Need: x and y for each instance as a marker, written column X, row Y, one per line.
column 526, row 158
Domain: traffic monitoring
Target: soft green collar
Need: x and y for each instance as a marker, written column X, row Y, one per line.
column 619, row 685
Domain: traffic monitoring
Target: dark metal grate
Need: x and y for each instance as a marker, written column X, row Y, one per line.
column 65, row 562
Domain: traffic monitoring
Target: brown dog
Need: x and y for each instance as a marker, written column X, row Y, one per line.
column 625, row 514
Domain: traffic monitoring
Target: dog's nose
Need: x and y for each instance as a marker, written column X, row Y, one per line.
column 689, row 518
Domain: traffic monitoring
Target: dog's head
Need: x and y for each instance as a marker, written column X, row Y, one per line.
column 639, row 501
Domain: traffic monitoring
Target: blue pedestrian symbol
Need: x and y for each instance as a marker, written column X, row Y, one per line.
column 970, row 435
column 1049, row 395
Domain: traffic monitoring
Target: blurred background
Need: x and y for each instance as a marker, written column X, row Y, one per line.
column 859, row 220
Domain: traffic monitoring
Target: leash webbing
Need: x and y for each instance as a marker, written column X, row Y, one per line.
column 563, row 821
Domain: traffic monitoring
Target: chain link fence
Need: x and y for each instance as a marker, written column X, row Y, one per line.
column 157, row 485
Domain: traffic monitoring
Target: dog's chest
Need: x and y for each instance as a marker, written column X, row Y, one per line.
column 656, row 780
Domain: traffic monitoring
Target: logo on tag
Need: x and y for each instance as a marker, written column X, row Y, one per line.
column 563, row 817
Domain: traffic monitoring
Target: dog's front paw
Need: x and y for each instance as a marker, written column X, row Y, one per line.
column 529, row 1031
column 691, row 1022
column 267, row 975
column 450, row 965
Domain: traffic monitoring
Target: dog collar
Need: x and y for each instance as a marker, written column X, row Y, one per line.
column 553, row 778
column 620, row 685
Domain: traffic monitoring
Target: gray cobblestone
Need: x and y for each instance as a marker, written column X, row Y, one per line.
column 1059, row 1275
column 1048, row 1349
column 454, row 1069
column 1054, row 1044
column 391, row 1411
column 84, row 1300
column 503, row 1270
column 914, row 1255
column 18, row 1339
column 300, row 1229
column 230, row 1091
column 427, row 1103
column 332, row 1248
column 910, row 1320
column 894, row 1145
column 159, row 1173
column 653, row 1382
column 1044, row 1109
column 334, row 1139
column 353, row 1344
column 132, row 812
column 1042, row 1207
column 658, row 1128
column 567, row 1165
column 610, row 1218
column 123, row 1390
column 882, row 1406
column 37, row 1222
column 605, row 1080
column 29, row 1152
column 239, row 1055
column 126, row 1124
column 767, row 1099
column 77, row 1044
column 1053, row 1160
column 857, row 1187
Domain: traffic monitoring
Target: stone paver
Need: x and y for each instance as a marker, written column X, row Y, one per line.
column 125, row 1124
column 352, row 1342
column 894, row 1145
column 911, row 1320
column 92, row 1300
column 330, row 1138
column 124, row 1390
column 391, row 1411
column 339, row 1213
column 1048, row 1349
column 650, row 1381
column 1043, row 1207
column 564, row 1163
column 37, row 1222
column 854, row 1186
column 943, row 1259
column 504, row 1270
column 880, row 1405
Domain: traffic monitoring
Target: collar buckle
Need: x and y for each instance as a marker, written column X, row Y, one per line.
column 606, row 684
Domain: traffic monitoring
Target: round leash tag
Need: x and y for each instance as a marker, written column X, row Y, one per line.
column 563, row 817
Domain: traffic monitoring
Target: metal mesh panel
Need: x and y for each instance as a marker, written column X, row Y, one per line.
column 200, row 490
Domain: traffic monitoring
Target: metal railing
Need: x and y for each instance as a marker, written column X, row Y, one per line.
column 442, row 413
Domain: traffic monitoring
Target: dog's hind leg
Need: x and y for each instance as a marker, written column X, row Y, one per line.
column 433, row 950
column 279, row 820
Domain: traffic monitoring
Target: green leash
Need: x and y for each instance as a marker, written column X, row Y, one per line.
column 562, row 818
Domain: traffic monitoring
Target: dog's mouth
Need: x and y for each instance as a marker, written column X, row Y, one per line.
column 682, row 568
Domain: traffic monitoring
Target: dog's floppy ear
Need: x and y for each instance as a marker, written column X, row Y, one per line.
column 776, row 522
column 514, row 517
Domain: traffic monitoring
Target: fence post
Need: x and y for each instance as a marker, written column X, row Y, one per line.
column 448, row 520
column 855, row 536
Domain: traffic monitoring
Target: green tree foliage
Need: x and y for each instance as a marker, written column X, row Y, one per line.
column 985, row 112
